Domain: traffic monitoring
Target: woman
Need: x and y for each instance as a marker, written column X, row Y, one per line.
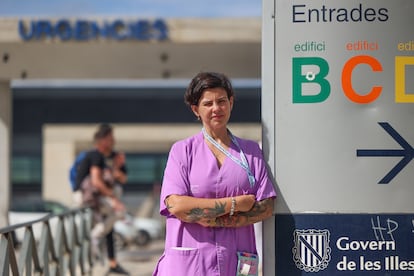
column 215, row 188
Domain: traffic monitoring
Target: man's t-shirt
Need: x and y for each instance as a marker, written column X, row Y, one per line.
column 95, row 158
column 92, row 158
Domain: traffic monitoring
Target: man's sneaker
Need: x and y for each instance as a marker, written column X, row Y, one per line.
column 118, row 270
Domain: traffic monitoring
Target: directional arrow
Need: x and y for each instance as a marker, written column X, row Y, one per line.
column 407, row 153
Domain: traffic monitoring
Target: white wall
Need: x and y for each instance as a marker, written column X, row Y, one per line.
column 5, row 134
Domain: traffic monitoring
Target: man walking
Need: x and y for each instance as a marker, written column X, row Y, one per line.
column 99, row 175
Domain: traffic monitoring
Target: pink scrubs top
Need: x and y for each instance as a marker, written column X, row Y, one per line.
column 192, row 169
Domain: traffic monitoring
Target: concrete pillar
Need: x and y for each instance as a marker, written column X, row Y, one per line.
column 59, row 151
column 5, row 146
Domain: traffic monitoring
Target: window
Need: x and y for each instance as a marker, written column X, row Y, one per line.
column 145, row 169
column 26, row 169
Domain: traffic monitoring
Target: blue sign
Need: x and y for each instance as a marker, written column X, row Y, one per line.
column 344, row 244
column 83, row 30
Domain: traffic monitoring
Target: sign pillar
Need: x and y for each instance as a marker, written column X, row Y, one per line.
column 5, row 145
column 268, row 115
column 338, row 107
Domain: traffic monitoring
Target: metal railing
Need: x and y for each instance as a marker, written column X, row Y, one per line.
column 61, row 250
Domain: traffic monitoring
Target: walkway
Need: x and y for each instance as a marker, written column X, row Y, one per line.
column 138, row 261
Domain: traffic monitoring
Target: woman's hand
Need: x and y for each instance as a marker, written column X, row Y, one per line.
column 244, row 203
column 261, row 210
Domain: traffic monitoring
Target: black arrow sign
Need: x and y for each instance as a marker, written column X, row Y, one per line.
column 407, row 152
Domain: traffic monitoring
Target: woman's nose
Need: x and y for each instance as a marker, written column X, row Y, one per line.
column 216, row 106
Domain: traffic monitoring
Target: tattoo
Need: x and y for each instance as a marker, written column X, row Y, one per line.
column 246, row 218
column 227, row 221
column 258, row 208
column 196, row 214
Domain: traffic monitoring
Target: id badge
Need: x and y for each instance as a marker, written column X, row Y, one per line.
column 247, row 264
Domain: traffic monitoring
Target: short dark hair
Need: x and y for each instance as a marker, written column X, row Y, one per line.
column 103, row 131
column 203, row 81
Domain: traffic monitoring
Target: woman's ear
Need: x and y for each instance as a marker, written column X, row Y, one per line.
column 231, row 102
column 194, row 108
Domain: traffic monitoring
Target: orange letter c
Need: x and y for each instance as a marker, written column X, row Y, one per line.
column 347, row 79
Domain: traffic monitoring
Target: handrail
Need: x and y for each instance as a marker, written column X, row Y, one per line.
column 66, row 251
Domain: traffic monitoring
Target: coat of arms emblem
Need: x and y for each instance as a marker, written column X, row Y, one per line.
column 311, row 251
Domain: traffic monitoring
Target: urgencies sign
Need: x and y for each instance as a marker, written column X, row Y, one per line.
column 83, row 30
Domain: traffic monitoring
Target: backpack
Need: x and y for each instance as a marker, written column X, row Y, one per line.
column 73, row 172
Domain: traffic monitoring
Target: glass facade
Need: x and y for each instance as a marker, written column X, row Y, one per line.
column 26, row 169
column 145, row 169
column 161, row 102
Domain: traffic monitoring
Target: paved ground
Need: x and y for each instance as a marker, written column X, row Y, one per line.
column 138, row 261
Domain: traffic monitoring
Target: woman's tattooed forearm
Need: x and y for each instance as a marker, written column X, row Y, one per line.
column 196, row 214
column 258, row 208
column 227, row 221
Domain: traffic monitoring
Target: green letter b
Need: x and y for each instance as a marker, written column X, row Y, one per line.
column 310, row 78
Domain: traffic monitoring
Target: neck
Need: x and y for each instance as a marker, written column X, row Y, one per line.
column 103, row 150
column 221, row 136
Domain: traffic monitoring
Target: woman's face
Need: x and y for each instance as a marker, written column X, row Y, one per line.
column 214, row 108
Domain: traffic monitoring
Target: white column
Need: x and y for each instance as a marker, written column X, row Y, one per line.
column 58, row 155
column 5, row 146
column 268, row 125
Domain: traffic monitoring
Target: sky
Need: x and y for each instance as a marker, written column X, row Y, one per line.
column 142, row 8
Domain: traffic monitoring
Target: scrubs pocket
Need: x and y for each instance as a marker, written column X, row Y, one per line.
column 182, row 261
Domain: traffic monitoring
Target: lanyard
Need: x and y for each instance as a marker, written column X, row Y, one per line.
column 242, row 163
